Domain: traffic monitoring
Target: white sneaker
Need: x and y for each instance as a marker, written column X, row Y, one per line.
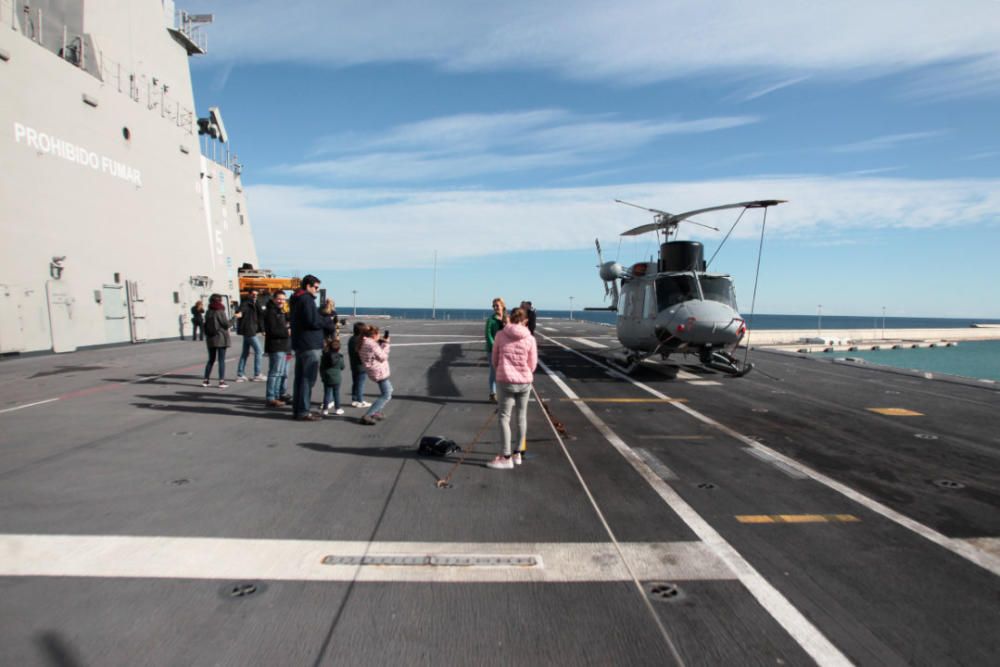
column 338, row 411
column 364, row 404
column 222, row 384
column 355, row 404
column 516, row 458
column 325, row 411
column 258, row 378
column 501, row 463
column 204, row 383
column 241, row 378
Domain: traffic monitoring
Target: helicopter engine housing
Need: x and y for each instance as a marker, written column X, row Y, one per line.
column 682, row 256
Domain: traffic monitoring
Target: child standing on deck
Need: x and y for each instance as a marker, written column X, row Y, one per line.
column 330, row 366
column 358, row 374
column 494, row 323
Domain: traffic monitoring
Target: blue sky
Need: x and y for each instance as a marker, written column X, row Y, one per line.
column 498, row 135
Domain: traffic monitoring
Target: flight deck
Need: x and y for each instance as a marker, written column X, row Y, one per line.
column 811, row 512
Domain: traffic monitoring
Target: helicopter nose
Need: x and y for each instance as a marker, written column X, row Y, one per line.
column 708, row 322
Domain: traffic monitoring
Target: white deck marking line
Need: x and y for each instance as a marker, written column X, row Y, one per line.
column 807, row 635
column 959, row 547
column 116, row 556
column 548, row 328
column 655, row 463
column 28, row 405
column 987, row 544
column 684, row 375
column 440, row 342
column 770, row 460
column 590, row 343
column 705, row 383
column 436, row 336
column 667, row 639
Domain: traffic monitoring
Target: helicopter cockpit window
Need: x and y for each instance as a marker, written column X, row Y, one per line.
column 719, row 288
column 671, row 290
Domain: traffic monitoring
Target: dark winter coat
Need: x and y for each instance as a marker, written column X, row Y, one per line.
column 197, row 315
column 276, row 335
column 532, row 319
column 352, row 351
column 216, row 328
column 330, row 365
column 308, row 326
column 252, row 321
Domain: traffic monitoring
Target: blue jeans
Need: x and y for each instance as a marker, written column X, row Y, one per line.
column 493, row 373
column 331, row 395
column 213, row 354
column 386, row 388
column 306, row 372
column 277, row 375
column 258, row 352
column 358, row 377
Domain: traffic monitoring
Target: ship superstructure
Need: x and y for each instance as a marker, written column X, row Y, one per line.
column 120, row 204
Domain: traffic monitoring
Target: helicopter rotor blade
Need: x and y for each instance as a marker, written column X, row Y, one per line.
column 672, row 220
column 644, row 208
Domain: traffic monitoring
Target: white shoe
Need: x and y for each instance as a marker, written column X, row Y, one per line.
column 516, row 458
column 324, row 411
column 364, row 404
column 501, row 463
column 241, row 378
column 338, row 411
column 355, row 404
column 204, row 383
column 258, row 378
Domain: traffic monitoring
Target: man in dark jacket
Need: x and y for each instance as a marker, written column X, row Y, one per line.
column 532, row 315
column 277, row 345
column 250, row 322
column 308, row 328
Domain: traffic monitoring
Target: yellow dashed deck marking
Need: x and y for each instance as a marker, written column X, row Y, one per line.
column 625, row 400
column 797, row 518
column 896, row 412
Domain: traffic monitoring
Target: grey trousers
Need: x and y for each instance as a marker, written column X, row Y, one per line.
column 509, row 397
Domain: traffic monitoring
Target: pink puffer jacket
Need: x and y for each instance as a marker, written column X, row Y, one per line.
column 375, row 358
column 515, row 354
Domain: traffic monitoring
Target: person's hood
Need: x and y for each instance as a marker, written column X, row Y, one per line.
column 216, row 305
column 514, row 332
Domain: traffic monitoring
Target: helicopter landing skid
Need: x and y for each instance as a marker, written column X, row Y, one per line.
column 727, row 363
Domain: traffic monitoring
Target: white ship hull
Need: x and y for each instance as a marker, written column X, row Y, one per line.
column 101, row 165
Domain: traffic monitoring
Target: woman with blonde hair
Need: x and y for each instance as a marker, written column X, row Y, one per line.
column 515, row 356
column 495, row 322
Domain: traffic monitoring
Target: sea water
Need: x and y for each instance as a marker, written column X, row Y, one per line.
column 974, row 359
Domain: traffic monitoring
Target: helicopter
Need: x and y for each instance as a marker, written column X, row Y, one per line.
column 674, row 305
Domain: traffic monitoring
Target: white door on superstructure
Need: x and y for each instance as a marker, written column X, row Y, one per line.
column 137, row 310
column 61, row 326
column 116, row 325
column 11, row 324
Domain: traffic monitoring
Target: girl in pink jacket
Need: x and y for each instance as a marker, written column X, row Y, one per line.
column 515, row 356
column 374, row 354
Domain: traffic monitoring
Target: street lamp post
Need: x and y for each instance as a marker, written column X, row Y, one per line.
column 571, row 308
column 355, row 293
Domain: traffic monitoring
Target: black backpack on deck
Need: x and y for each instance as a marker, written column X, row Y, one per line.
column 433, row 445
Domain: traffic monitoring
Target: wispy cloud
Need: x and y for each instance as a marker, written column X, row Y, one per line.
column 985, row 155
column 466, row 146
column 405, row 224
column 629, row 40
column 888, row 141
column 774, row 87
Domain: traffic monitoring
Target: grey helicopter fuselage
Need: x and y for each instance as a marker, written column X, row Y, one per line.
column 669, row 309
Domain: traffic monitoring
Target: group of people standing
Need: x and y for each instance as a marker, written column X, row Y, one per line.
column 308, row 334
column 513, row 357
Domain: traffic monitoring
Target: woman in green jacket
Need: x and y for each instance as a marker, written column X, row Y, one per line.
column 494, row 324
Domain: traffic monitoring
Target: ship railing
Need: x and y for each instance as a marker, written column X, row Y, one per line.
column 79, row 51
column 189, row 26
